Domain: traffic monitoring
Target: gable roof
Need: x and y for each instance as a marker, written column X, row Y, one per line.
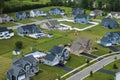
column 31, row 28
column 53, row 22
column 56, row 50
column 50, row 57
column 3, row 15
column 2, row 29
column 109, row 20
column 76, row 11
column 81, row 16
column 81, row 44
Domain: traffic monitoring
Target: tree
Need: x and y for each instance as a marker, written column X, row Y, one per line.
column 19, row 45
column 115, row 66
column 99, row 5
column 91, row 73
column 84, row 4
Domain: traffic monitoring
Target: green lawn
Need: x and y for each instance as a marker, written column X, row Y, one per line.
column 49, row 73
column 110, row 66
column 118, row 47
column 7, row 24
column 100, row 76
column 77, row 60
column 80, row 26
column 45, row 44
column 5, row 63
column 25, row 21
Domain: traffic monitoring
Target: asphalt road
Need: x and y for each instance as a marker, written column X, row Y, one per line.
column 95, row 67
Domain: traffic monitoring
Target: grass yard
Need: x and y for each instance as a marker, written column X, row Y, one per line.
column 45, row 44
column 110, row 66
column 77, row 60
column 7, row 24
column 5, row 63
column 25, row 21
column 118, row 47
column 100, row 76
column 80, row 26
column 49, row 73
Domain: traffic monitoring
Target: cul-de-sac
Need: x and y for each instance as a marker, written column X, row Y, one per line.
column 59, row 39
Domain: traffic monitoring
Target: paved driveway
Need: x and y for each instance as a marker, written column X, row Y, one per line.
column 95, row 67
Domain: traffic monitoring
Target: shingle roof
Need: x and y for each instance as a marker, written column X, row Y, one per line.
column 81, row 44
column 53, row 22
column 2, row 29
column 81, row 16
column 50, row 57
column 109, row 20
column 56, row 50
column 31, row 28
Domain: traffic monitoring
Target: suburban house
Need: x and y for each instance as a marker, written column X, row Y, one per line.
column 38, row 55
column 80, row 45
column 43, row 13
column 96, row 13
column 57, row 11
column 21, row 15
column 30, row 30
column 109, row 23
column 114, row 15
column 4, row 18
column 110, row 39
column 37, row 13
column 23, row 69
column 77, row 11
column 33, row 31
column 6, row 33
column 81, row 18
column 27, row 14
column 117, row 75
column 50, row 24
column 56, row 55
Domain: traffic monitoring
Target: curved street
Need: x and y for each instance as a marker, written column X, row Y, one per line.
column 95, row 67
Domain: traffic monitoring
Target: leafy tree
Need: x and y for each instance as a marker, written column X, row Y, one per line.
column 19, row 44
column 91, row 73
column 115, row 66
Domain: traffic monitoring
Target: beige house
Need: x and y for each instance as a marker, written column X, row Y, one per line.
column 80, row 45
column 50, row 24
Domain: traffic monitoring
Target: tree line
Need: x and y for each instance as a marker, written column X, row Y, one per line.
column 108, row 5
column 7, row 6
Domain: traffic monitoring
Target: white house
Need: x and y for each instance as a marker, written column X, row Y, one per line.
column 117, row 75
column 6, row 33
column 114, row 15
column 37, row 13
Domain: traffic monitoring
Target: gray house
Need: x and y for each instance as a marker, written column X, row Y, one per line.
column 96, row 13
column 81, row 18
column 50, row 24
column 111, row 38
column 80, row 45
column 28, row 29
column 4, row 18
column 109, row 23
column 20, row 15
column 56, row 55
column 76, row 11
column 23, row 69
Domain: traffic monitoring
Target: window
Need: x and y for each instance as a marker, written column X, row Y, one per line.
column 21, row 77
